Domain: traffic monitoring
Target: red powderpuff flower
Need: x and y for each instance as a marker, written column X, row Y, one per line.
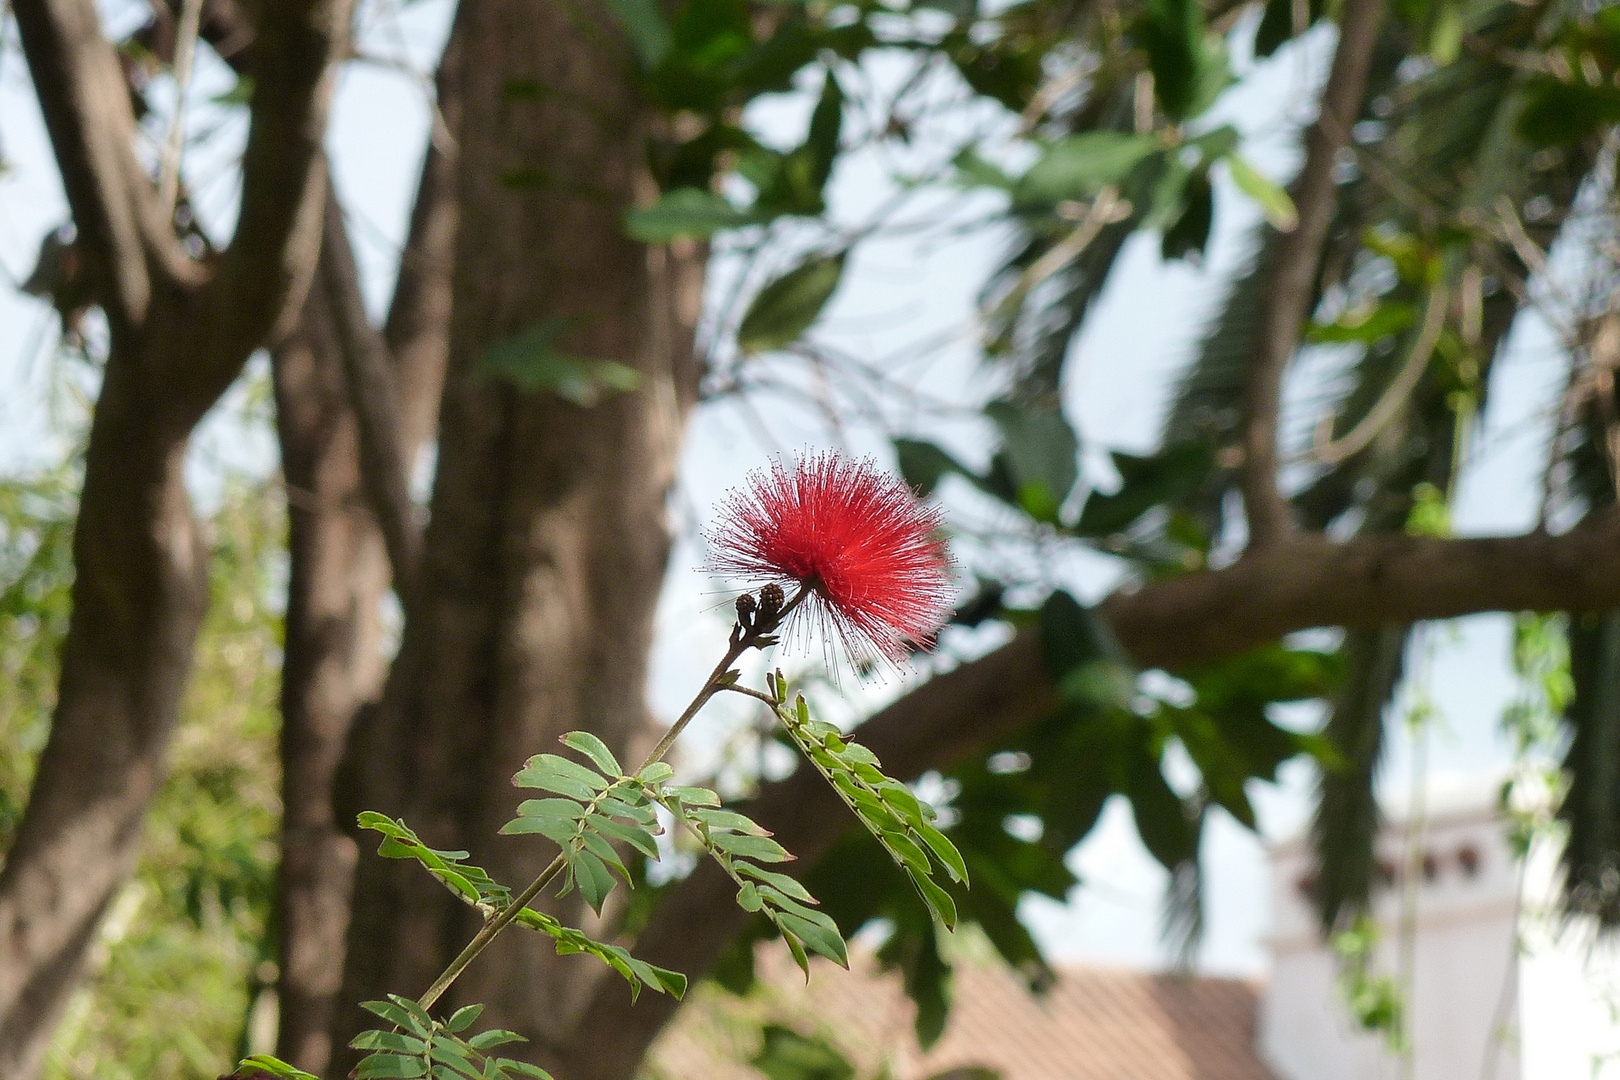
column 868, row 554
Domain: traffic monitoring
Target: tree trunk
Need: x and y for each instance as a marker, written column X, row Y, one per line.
column 138, row 600
column 333, row 665
column 547, row 543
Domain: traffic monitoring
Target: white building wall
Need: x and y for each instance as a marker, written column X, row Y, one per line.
column 1463, row 1002
column 1569, row 986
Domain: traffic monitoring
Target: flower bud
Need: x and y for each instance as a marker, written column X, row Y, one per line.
column 746, row 606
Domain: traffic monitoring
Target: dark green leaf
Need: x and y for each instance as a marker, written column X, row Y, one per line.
column 388, row 1040
column 822, row 939
column 1172, row 33
column 488, row 1040
column 946, row 851
column 1277, row 25
column 549, row 772
column 977, row 172
column 725, row 819
column 596, row 750
column 391, row 1013
column 1188, row 235
column 634, row 835
column 1557, row 113
column 1041, row 455
column 389, row 1065
column 923, row 464
column 446, row 1052
column 785, row 308
column 826, row 123
column 1146, row 482
column 463, row 1018
column 788, row 886
column 907, row 851
column 747, row 846
column 593, row 878
column 939, row 901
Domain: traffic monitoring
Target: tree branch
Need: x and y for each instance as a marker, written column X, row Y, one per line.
column 369, row 380
column 82, row 93
column 412, row 350
column 265, row 270
column 1363, row 583
column 1293, row 275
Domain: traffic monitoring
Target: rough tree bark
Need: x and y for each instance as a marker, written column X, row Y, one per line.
column 179, row 333
column 546, row 546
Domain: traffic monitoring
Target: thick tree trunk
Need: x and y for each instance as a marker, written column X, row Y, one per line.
column 547, row 543
column 138, row 599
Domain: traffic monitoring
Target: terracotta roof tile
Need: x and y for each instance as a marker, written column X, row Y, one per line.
column 1094, row 1024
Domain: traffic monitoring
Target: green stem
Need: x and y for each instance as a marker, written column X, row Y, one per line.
column 741, row 642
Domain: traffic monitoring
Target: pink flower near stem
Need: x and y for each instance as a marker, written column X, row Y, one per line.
column 858, row 539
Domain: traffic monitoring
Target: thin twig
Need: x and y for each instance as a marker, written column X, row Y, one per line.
column 1358, row 438
column 1105, row 209
column 369, row 381
column 185, row 49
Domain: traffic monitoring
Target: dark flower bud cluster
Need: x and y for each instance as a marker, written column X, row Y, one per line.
column 758, row 617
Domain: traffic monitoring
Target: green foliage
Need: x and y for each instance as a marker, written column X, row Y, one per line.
column 1188, row 65
column 36, row 577
column 1534, row 720
column 1590, row 809
column 738, row 845
column 1347, row 816
column 1273, row 200
column 1374, row 1000
column 1034, row 470
column 257, row 1066
column 1277, row 24
column 595, row 808
column 474, row 886
column 420, row 1046
column 896, row 818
